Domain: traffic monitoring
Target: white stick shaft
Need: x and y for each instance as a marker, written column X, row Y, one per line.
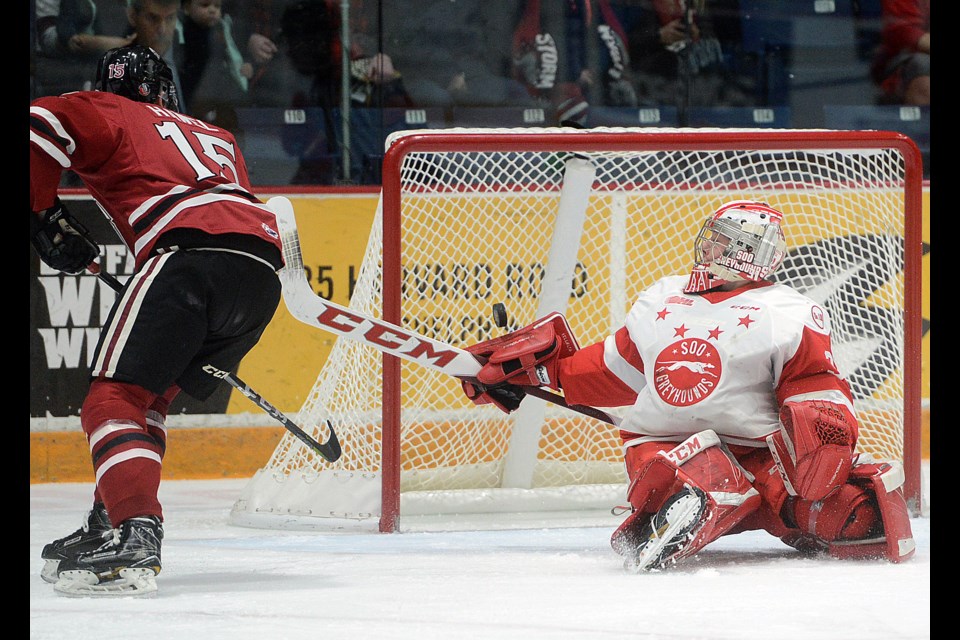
column 308, row 307
column 311, row 309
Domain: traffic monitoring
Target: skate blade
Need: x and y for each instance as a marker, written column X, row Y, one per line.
column 682, row 513
column 131, row 582
column 49, row 571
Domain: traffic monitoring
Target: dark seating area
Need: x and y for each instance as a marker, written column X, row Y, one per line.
column 797, row 64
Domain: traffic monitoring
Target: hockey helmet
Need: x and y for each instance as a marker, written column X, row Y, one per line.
column 139, row 73
column 741, row 241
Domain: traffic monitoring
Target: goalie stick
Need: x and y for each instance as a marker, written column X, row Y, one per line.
column 329, row 450
column 306, row 306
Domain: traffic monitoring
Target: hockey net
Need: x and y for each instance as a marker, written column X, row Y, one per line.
column 581, row 221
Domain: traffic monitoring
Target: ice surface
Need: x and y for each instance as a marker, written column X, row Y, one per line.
column 220, row 581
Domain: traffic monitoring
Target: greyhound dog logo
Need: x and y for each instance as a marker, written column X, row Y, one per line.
column 696, row 367
column 687, row 371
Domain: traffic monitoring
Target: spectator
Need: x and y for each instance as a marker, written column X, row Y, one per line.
column 74, row 27
column 311, row 39
column 453, row 52
column 374, row 81
column 71, row 37
column 676, row 54
column 572, row 57
column 156, row 24
column 901, row 67
column 214, row 75
column 259, row 28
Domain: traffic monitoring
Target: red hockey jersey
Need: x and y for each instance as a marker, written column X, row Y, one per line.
column 152, row 170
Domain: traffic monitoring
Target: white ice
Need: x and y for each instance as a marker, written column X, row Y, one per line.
column 221, row 581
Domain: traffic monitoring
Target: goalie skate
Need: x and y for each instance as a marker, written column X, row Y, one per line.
column 126, row 564
column 96, row 527
column 664, row 537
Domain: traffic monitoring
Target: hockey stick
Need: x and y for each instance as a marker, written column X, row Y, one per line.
column 329, row 450
column 309, row 308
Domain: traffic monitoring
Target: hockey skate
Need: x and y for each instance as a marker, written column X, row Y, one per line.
column 96, row 527
column 663, row 538
column 127, row 563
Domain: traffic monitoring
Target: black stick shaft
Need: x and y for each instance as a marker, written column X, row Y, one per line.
column 329, row 450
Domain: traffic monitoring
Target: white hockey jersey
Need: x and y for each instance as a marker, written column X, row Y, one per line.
column 719, row 360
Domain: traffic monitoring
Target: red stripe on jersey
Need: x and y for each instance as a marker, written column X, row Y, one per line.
column 127, row 314
column 811, row 369
column 585, row 379
column 628, row 349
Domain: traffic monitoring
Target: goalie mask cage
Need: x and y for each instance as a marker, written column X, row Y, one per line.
column 581, row 221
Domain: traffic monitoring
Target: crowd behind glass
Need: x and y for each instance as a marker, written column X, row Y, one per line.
column 295, row 79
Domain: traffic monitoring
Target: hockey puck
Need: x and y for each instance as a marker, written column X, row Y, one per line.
column 500, row 315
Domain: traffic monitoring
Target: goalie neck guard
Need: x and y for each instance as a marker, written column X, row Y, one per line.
column 741, row 242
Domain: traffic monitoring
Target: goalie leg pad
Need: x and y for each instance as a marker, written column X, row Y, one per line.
column 698, row 469
column 866, row 518
column 813, row 448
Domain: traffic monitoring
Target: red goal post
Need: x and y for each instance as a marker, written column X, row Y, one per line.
column 580, row 221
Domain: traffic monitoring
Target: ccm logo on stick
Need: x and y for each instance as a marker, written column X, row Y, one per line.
column 216, row 373
column 385, row 335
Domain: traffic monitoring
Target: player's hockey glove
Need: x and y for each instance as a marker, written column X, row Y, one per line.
column 61, row 241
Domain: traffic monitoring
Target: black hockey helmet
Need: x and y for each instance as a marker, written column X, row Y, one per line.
column 139, row 73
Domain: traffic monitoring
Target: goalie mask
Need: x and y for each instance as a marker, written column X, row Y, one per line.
column 742, row 241
column 139, row 73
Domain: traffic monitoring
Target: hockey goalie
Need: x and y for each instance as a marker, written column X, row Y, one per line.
column 738, row 417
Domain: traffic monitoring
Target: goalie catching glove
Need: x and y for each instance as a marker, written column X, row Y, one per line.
column 61, row 241
column 813, row 449
column 525, row 357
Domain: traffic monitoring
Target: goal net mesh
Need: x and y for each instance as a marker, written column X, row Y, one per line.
column 477, row 227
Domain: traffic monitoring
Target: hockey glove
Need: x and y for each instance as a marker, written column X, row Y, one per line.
column 61, row 241
column 813, row 449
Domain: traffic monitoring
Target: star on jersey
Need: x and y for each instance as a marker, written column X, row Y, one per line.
column 680, row 331
column 715, row 333
column 662, row 314
column 745, row 321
